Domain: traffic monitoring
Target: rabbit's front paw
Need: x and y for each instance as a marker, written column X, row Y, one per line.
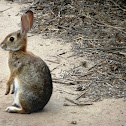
column 7, row 89
column 12, row 92
column 7, row 92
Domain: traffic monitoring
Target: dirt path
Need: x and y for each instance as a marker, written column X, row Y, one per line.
column 106, row 113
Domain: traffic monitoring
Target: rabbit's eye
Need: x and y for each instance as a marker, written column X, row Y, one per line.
column 11, row 39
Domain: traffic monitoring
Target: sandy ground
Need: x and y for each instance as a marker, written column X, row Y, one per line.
column 110, row 112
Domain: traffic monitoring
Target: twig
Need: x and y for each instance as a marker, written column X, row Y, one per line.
column 31, row 35
column 67, row 92
column 69, row 29
column 71, row 80
column 117, row 78
column 60, row 56
column 92, row 67
column 101, row 63
column 122, row 53
column 27, row 2
column 62, row 53
column 52, row 61
column 72, row 55
column 93, row 39
column 82, row 94
column 59, row 26
column 118, row 5
column 6, row 9
column 68, row 83
column 84, row 75
column 118, row 53
column 79, row 104
column 56, row 67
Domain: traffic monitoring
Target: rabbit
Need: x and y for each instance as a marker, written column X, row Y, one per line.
column 29, row 74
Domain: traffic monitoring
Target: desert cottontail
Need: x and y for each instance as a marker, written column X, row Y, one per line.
column 29, row 73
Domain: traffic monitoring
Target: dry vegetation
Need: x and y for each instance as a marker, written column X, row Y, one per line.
column 97, row 30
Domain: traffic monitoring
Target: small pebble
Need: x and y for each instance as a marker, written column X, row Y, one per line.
column 74, row 122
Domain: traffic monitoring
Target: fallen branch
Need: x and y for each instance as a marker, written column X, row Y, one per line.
column 81, row 95
column 79, row 104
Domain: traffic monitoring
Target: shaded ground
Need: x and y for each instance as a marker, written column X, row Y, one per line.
column 55, row 52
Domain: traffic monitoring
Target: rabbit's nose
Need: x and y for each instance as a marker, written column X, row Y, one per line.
column 2, row 45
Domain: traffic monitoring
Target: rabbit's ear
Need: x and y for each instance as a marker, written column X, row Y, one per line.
column 26, row 22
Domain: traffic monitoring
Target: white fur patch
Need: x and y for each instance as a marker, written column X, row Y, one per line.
column 16, row 97
column 13, row 109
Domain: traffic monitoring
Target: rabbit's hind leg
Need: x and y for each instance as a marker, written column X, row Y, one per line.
column 16, row 107
column 13, row 109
